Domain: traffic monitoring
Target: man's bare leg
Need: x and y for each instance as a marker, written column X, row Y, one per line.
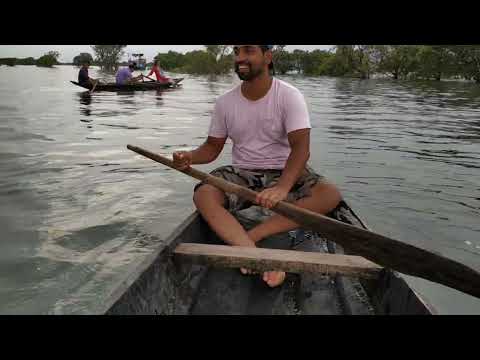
column 324, row 198
column 210, row 203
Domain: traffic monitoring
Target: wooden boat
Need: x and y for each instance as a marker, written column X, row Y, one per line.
column 167, row 284
column 139, row 86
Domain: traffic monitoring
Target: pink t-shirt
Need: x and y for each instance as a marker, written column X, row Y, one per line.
column 258, row 129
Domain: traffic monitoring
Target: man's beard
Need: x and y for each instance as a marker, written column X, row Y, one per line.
column 250, row 75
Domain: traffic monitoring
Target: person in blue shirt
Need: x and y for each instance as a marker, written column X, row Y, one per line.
column 124, row 75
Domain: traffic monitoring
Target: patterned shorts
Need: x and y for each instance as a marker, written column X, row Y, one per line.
column 259, row 180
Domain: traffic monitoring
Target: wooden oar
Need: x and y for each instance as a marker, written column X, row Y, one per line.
column 387, row 252
column 149, row 78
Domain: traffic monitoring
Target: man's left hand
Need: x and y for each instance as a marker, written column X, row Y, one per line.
column 270, row 197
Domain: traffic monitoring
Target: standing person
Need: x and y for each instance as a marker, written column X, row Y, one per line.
column 124, row 75
column 158, row 73
column 268, row 122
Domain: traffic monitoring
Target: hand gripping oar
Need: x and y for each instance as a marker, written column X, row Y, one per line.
column 389, row 253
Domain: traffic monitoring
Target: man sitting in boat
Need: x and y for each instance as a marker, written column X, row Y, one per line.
column 83, row 78
column 158, row 73
column 268, row 123
column 124, row 75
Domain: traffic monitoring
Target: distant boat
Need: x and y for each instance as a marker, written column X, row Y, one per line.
column 139, row 86
column 139, row 61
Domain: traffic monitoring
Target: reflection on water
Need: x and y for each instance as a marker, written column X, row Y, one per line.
column 78, row 210
column 85, row 102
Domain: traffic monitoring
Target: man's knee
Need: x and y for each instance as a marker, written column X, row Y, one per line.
column 207, row 192
column 328, row 190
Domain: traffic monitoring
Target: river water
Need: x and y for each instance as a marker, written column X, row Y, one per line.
column 78, row 210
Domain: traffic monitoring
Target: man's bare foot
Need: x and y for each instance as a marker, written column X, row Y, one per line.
column 274, row 278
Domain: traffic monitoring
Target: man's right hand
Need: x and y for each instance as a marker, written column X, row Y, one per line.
column 182, row 159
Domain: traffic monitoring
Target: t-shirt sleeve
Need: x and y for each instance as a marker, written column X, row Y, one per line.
column 296, row 111
column 218, row 125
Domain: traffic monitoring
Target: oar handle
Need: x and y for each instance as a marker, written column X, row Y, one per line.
column 380, row 249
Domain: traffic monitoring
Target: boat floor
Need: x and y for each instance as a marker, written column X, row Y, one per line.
column 227, row 291
column 178, row 287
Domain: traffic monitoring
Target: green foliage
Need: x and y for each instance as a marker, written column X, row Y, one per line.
column 199, row 62
column 435, row 62
column 80, row 59
column 26, row 61
column 318, row 63
column 398, row 61
column 362, row 61
column 468, row 61
column 108, row 56
column 223, row 58
column 49, row 59
column 8, row 61
column 283, row 60
column 171, row 60
column 15, row 61
column 215, row 59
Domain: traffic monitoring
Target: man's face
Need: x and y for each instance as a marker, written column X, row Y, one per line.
column 251, row 61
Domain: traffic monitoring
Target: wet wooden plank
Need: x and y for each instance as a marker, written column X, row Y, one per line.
column 274, row 259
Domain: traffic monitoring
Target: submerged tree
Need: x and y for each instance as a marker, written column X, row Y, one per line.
column 398, row 61
column 223, row 58
column 467, row 59
column 435, row 62
column 49, row 59
column 283, row 60
column 171, row 60
column 108, row 56
column 80, row 59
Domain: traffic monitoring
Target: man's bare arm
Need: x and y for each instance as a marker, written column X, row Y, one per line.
column 300, row 144
column 208, row 151
column 204, row 154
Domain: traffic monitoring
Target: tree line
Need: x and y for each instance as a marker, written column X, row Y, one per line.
column 47, row 60
column 434, row 62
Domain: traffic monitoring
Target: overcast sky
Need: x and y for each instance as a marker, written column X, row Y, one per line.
column 68, row 52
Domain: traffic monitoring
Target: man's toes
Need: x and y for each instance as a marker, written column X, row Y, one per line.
column 265, row 277
column 245, row 271
column 274, row 278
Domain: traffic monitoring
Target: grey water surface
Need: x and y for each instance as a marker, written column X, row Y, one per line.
column 78, row 210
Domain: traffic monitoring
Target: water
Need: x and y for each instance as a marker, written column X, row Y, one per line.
column 78, row 210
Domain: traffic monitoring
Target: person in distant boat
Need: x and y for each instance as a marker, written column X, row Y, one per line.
column 268, row 122
column 158, row 73
column 83, row 78
column 124, row 75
